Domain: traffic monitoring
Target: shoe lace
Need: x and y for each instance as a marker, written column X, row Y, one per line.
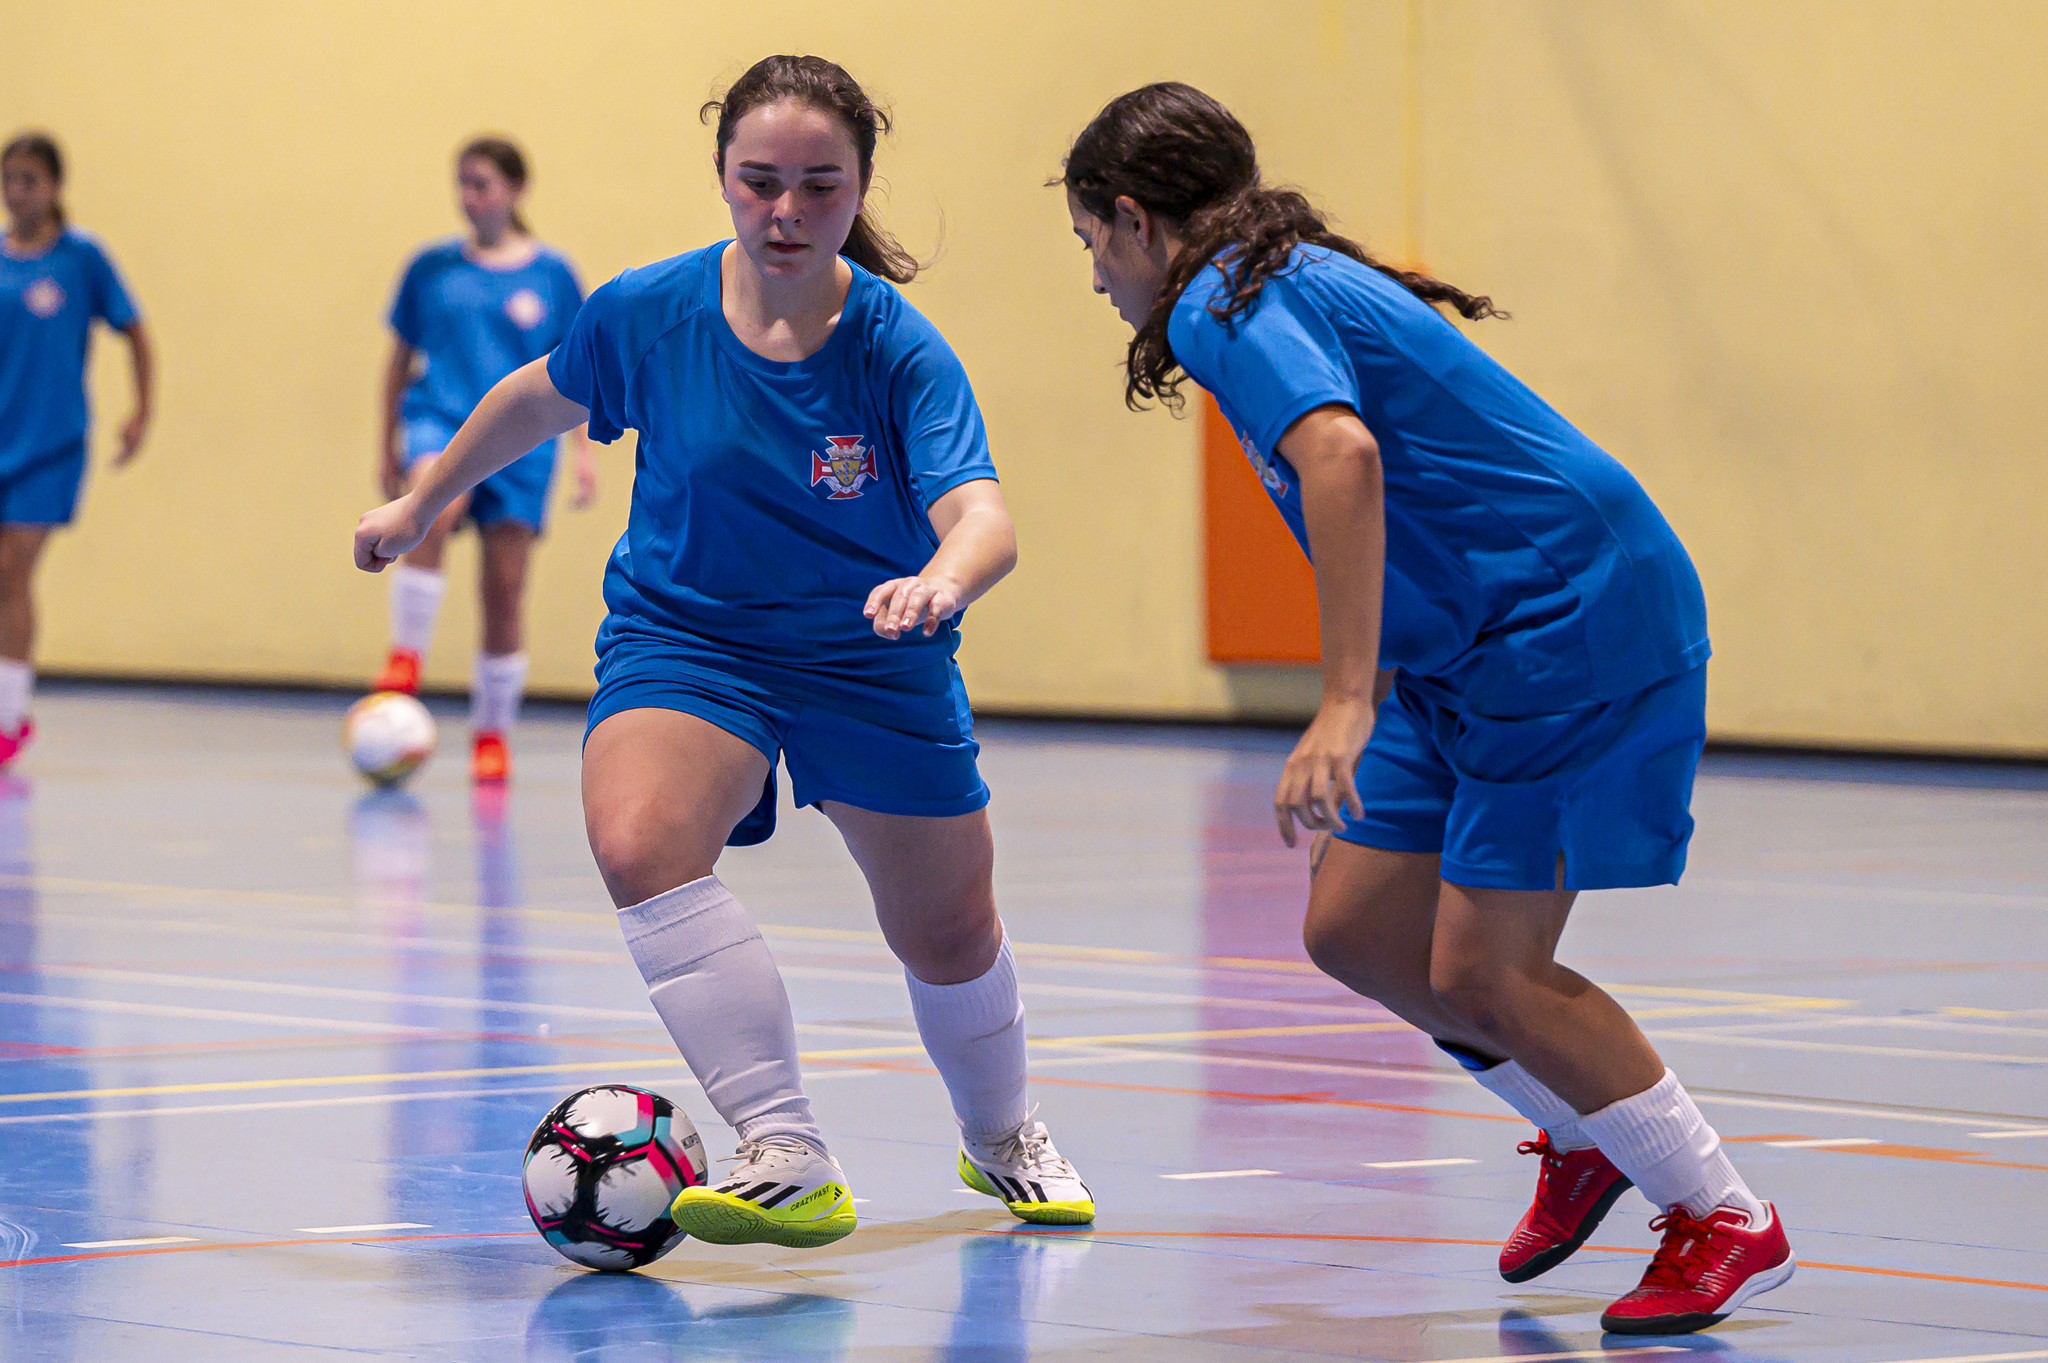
column 1553, row 1158
column 1688, row 1247
column 1029, row 1145
column 771, row 1149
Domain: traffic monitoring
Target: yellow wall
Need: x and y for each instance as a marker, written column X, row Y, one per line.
column 1783, row 258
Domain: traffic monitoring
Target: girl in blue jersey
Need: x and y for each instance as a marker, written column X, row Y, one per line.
column 1514, row 648
column 814, row 507
column 469, row 311
column 55, row 281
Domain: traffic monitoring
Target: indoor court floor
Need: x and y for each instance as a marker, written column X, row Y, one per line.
column 273, row 1046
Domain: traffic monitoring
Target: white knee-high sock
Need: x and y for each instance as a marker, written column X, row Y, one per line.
column 17, row 684
column 1527, row 1094
column 495, row 690
column 974, row 1033
column 1660, row 1140
column 415, row 601
column 721, row 997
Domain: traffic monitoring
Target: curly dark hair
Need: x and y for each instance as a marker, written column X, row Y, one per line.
column 827, row 87
column 1188, row 160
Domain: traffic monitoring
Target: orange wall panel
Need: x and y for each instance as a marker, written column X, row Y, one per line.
column 1261, row 590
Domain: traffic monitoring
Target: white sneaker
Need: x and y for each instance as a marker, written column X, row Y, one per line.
column 1025, row 1173
column 784, row 1193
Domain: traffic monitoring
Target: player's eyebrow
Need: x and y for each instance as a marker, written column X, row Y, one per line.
column 829, row 168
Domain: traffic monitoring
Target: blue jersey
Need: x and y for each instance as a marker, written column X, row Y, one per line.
column 1527, row 572
column 474, row 325
column 47, row 306
column 770, row 498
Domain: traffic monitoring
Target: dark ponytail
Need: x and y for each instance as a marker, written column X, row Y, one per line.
column 503, row 154
column 42, row 147
column 827, row 87
column 1185, row 158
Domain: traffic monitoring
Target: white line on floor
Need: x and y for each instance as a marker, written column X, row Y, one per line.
column 2009, row 1135
column 361, row 1230
column 1425, row 1164
column 1978, row 1358
column 124, row 1244
column 1597, row 1353
column 1227, row 1173
column 1840, row 1047
column 1824, row 1143
column 171, row 1010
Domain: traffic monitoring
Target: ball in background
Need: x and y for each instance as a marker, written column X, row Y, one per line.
column 601, row 1171
column 388, row 735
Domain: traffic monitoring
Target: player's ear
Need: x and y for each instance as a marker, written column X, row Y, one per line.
column 1132, row 216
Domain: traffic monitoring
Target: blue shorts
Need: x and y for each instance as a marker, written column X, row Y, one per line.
column 44, row 491
column 899, row 744
column 1607, row 787
column 517, row 492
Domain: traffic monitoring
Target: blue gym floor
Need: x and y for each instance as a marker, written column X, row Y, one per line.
column 272, row 1049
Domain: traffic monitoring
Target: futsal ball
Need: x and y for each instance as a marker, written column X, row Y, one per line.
column 602, row 1170
column 388, row 735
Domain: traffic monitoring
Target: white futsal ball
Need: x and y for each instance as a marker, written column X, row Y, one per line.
column 388, row 735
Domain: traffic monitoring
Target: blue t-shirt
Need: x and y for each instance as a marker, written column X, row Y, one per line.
column 47, row 305
column 1527, row 571
column 474, row 325
column 770, row 498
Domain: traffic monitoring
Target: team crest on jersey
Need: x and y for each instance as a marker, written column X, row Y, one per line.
column 844, row 467
column 1263, row 466
column 44, row 298
column 527, row 309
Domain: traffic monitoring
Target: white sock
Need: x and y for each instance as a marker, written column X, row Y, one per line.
column 1660, row 1140
column 415, row 600
column 494, row 692
column 721, row 997
column 974, row 1033
column 1526, row 1094
column 17, row 684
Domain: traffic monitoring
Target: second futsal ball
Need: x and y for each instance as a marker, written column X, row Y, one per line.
column 388, row 735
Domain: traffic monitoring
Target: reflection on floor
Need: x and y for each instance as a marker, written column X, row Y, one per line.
column 272, row 1046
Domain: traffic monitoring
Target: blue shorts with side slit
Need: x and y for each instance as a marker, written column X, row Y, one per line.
column 1607, row 787
column 896, row 744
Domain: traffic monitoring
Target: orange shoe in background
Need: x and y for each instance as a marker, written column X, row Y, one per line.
column 401, row 673
column 12, row 744
column 490, row 762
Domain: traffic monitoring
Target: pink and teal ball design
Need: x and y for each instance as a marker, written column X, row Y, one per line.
column 601, row 1171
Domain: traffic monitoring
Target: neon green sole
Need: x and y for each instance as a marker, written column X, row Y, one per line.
column 1037, row 1213
column 722, row 1219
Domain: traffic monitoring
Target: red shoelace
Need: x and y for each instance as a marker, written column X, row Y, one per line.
column 1688, row 1245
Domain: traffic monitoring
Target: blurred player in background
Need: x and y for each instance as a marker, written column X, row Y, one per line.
column 1544, row 699
column 805, row 435
column 54, row 281
column 469, row 311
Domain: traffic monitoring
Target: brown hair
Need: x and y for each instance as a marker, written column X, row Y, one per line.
column 42, row 147
column 827, row 87
column 503, row 154
column 1188, row 160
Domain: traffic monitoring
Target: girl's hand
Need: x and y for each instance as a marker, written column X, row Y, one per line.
column 586, row 479
column 1319, row 782
column 902, row 602
column 390, row 530
column 132, row 432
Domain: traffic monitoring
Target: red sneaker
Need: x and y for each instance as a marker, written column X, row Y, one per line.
column 12, row 744
column 1703, row 1271
column 1574, row 1190
column 490, row 762
column 401, row 673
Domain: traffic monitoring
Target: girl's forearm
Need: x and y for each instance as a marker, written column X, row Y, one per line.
column 978, row 552
column 142, row 364
column 522, row 411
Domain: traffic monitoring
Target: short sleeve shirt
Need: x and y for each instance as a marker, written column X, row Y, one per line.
column 770, row 497
column 1527, row 571
column 473, row 324
column 48, row 303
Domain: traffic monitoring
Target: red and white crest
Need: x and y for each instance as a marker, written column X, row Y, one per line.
column 844, row 467
column 44, row 298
